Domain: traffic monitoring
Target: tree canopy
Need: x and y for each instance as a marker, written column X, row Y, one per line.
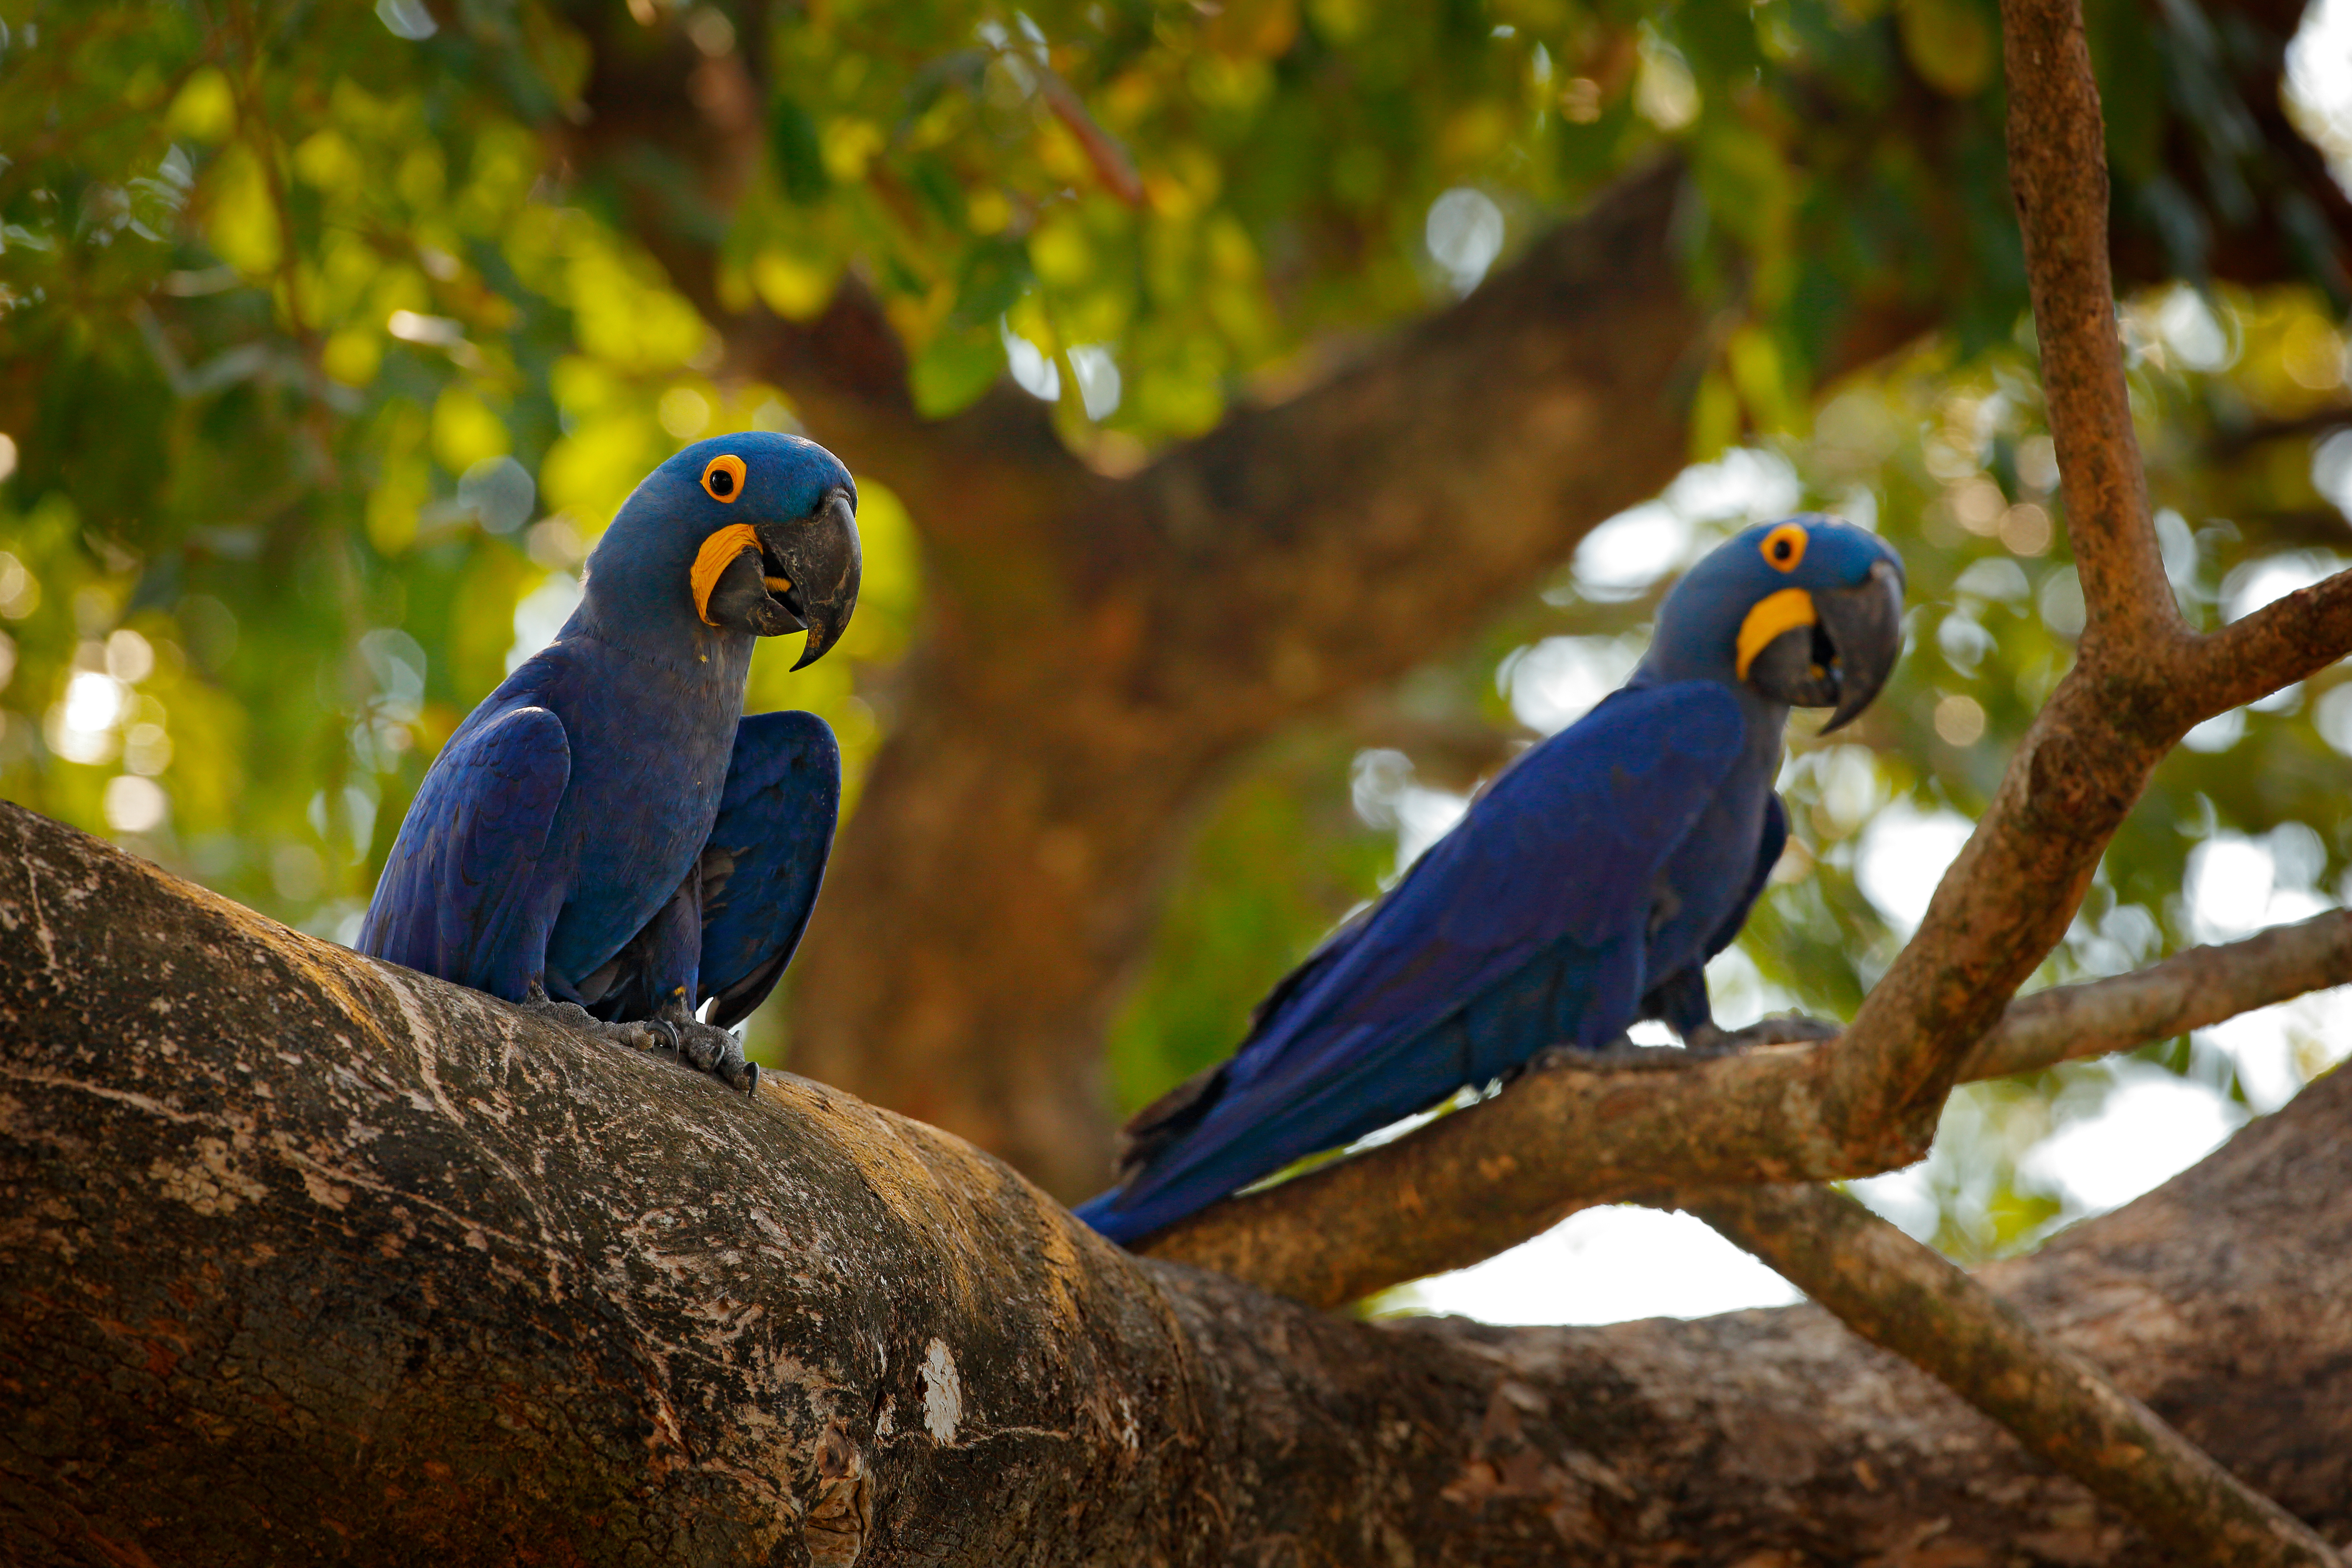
column 330, row 339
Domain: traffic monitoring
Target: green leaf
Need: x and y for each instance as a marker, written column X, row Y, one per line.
column 800, row 159
column 954, row 368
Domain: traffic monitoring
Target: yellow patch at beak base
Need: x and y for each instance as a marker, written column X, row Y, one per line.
column 1773, row 614
column 718, row 553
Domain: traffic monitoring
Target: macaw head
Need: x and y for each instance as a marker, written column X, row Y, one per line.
column 1807, row 612
column 753, row 532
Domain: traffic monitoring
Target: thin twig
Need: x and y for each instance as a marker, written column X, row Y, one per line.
column 2191, row 990
column 1908, row 1299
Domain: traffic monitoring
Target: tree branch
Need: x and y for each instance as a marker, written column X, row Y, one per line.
column 2058, row 173
column 309, row 1256
column 2278, row 645
column 2140, row 682
column 1908, row 1299
column 2191, row 990
column 1486, row 1178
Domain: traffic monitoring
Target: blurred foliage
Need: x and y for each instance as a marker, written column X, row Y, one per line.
column 325, row 353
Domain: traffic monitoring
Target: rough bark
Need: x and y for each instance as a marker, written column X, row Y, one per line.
column 1100, row 652
column 308, row 1257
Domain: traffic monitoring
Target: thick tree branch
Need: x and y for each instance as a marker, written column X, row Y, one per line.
column 306, row 1257
column 1487, row 1178
column 1906, row 1297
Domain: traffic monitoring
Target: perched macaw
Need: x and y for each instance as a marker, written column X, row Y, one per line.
column 1585, row 889
column 606, row 838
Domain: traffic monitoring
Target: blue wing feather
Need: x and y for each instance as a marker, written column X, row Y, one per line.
column 1564, row 845
column 766, row 857
column 1547, row 882
column 1768, row 856
column 463, row 897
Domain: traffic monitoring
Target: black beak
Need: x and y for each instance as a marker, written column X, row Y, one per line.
column 804, row 576
column 1843, row 658
column 818, row 560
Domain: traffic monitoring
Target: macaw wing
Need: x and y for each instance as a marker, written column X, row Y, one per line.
column 1562, row 850
column 766, row 857
column 457, row 898
column 1768, row 855
column 1564, row 847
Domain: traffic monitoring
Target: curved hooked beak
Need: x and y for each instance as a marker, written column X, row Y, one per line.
column 1830, row 649
column 770, row 578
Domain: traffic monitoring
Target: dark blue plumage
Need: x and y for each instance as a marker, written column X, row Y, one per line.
column 766, row 856
column 1586, row 888
column 606, row 830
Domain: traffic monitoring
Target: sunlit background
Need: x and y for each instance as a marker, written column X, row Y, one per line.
column 232, row 645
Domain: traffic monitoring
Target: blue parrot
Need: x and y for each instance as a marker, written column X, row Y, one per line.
column 606, row 839
column 1584, row 890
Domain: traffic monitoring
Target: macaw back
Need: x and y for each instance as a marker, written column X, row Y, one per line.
column 1618, row 854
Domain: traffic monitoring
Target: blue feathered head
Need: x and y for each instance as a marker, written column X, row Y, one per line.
column 754, row 533
column 1807, row 612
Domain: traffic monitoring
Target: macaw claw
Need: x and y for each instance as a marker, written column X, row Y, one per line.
column 707, row 1048
column 704, row 1047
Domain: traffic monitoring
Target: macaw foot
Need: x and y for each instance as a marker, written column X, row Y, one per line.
column 1609, row 1056
column 574, row 1017
column 1778, row 1029
column 707, row 1049
column 1554, row 1059
column 707, row 1046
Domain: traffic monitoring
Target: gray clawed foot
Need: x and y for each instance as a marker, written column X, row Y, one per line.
column 574, row 1017
column 708, row 1048
column 705, row 1047
column 1552, row 1058
column 1778, row 1029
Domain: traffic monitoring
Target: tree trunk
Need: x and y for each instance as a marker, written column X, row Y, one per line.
column 306, row 1257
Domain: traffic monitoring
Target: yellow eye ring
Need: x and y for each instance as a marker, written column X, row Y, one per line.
column 722, row 479
column 1784, row 547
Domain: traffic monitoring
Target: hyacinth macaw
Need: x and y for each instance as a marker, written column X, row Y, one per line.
column 1585, row 889
column 606, row 839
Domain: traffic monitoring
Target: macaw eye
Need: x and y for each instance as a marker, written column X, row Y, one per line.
column 723, row 477
column 1785, row 546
